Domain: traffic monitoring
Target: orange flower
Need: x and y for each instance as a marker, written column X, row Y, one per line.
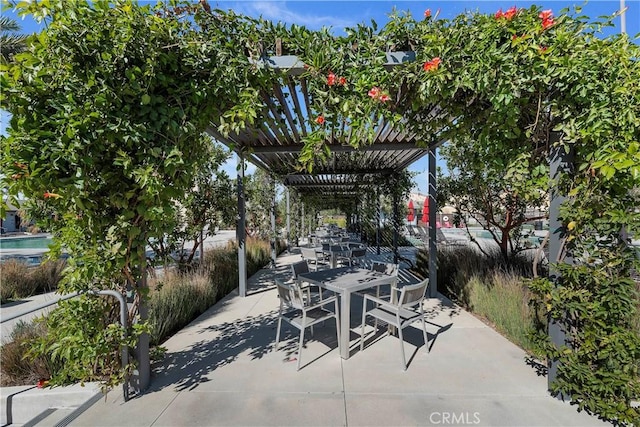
column 374, row 92
column 320, row 120
column 546, row 14
column 511, row 12
column 331, row 79
column 48, row 195
column 427, row 13
column 342, row 81
column 432, row 65
column 546, row 23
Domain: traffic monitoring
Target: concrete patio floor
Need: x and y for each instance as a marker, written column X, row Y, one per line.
column 222, row 370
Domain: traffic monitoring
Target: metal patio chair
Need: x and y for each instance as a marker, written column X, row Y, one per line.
column 300, row 313
column 401, row 313
column 312, row 257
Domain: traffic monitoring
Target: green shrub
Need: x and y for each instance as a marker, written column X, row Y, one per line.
column 93, row 322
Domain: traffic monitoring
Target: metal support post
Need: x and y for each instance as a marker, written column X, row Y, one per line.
column 240, row 231
column 288, row 222
column 561, row 163
column 302, row 224
column 142, row 349
column 272, row 214
column 395, row 227
column 433, row 208
column 378, row 219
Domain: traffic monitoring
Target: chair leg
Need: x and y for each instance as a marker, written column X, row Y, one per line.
column 278, row 332
column 404, row 360
column 364, row 316
column 300, row 347
column 338, row 329
column 424, row 333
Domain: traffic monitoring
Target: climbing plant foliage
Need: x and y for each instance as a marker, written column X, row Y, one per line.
column 108, row 102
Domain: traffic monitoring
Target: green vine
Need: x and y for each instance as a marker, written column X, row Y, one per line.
column 108, row 103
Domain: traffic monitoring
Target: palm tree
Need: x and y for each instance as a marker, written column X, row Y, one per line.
column 10, row 42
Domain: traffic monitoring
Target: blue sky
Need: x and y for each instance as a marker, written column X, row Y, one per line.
column 341, row 14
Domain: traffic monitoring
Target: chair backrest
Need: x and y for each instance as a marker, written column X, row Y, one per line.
column 385, row 267
column 411, row 295
column 290, row 294
column 358, row 252
column 326, row 246
column 344, row 239
column 298, row 268
column 308, row 253
column 337, row 248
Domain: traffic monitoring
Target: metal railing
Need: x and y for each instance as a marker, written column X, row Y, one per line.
column 123, row 322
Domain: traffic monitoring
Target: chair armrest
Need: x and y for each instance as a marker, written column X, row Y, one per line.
column 325, row 301
column 378, row 301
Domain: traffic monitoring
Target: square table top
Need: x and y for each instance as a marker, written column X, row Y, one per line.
column 346, row 279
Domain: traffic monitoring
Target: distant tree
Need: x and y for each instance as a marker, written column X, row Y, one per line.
column 495, row 188
column 260, row 189
column 11, row 41
column 210, row 203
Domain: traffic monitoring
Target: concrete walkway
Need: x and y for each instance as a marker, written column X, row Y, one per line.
column 222, row 370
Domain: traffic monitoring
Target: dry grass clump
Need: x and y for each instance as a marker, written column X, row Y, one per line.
column 21, row 281
column 17, row 369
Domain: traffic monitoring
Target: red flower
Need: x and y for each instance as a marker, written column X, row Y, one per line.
column 374, row 92
column 546, row 23
column 384, row 98
column 331, row 79
column 427, row 13
column 42, row 383
column 48, row 195
column 542, row 49
column 342, row 81
column 320, row 120
column 499, row 14
column 511, row 12
column 432, row 65
column 546, row 14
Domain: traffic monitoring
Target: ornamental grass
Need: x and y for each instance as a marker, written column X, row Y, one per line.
column 488, row 286
column 21, row 281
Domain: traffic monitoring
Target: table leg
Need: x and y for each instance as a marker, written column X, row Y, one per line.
column 345, row 324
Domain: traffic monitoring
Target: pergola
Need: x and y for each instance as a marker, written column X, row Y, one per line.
column 276, row 141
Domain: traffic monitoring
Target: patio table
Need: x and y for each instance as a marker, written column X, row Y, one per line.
column 344, row 281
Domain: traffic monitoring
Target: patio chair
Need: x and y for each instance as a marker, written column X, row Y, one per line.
column 382, row 267
column 312, row 257
column 341, row 253
column 357, row 256
column 300, row 313
column 302, row 267
column 400, row 314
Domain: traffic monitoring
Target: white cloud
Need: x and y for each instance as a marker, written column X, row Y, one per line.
column 280, row 11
